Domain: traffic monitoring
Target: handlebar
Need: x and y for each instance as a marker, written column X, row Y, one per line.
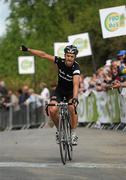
column 60, row 105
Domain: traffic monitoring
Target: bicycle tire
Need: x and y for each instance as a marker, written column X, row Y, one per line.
column 69, row 142
column 62, row 140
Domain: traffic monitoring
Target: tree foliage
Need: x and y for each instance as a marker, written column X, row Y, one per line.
column 40, row 23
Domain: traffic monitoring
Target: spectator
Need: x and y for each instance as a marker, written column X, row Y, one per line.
column 33, row 98
column 122, row 67
column 121, row 55
column 19, row 95
column 122, row 70
column 114, row 71
column 24, row 94
column 107, row 66
column 12, row 101
column 86, row 83
column 53, row 87
column 45, row 93
column 3, row 89
column 99, row 79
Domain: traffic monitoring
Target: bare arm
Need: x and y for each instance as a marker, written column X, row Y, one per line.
column 76, row 79
column 38, row 53
column 41, row 54
column 119, row 84
column 123, row 84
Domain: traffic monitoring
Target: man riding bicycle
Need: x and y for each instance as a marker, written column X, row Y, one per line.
column 68, row 84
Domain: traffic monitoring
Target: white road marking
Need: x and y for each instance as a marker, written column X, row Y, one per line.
column 70, row 165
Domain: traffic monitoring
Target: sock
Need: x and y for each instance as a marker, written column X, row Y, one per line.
column 73, row 131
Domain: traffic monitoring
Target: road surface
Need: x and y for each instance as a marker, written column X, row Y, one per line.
column 34, row 155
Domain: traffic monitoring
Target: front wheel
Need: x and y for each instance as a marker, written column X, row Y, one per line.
column 62, row 140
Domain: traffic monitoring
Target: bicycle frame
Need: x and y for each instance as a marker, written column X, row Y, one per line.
column 65, row 142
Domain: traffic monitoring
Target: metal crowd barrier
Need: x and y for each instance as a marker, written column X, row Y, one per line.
column 28, row 116
column 103, row 109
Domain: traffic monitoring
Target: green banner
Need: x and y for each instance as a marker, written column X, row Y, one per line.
column 102, row 107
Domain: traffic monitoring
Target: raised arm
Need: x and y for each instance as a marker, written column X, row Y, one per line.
column 38, row 53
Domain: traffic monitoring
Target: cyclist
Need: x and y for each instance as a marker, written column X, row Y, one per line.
column 68, row 84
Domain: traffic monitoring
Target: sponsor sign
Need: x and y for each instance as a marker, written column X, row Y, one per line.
column 113, row 21
column 82, row 42
column 59, row 48
column 26, row 65
column 102, row 107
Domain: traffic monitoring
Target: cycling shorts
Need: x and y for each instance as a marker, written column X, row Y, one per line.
column 59, row 96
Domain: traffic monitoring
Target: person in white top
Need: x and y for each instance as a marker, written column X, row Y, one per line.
column 33, row 98
column 45, row 93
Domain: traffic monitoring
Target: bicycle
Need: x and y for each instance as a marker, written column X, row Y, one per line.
column 65, row 139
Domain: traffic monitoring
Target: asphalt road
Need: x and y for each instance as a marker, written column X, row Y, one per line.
column 34, row 155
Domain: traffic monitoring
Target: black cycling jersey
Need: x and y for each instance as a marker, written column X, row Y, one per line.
column 65, row 75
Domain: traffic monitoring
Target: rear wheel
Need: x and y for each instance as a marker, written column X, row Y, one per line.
column 69, row 141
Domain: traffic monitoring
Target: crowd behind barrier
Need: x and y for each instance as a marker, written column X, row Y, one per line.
column 23, row 108
column 103, row 95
